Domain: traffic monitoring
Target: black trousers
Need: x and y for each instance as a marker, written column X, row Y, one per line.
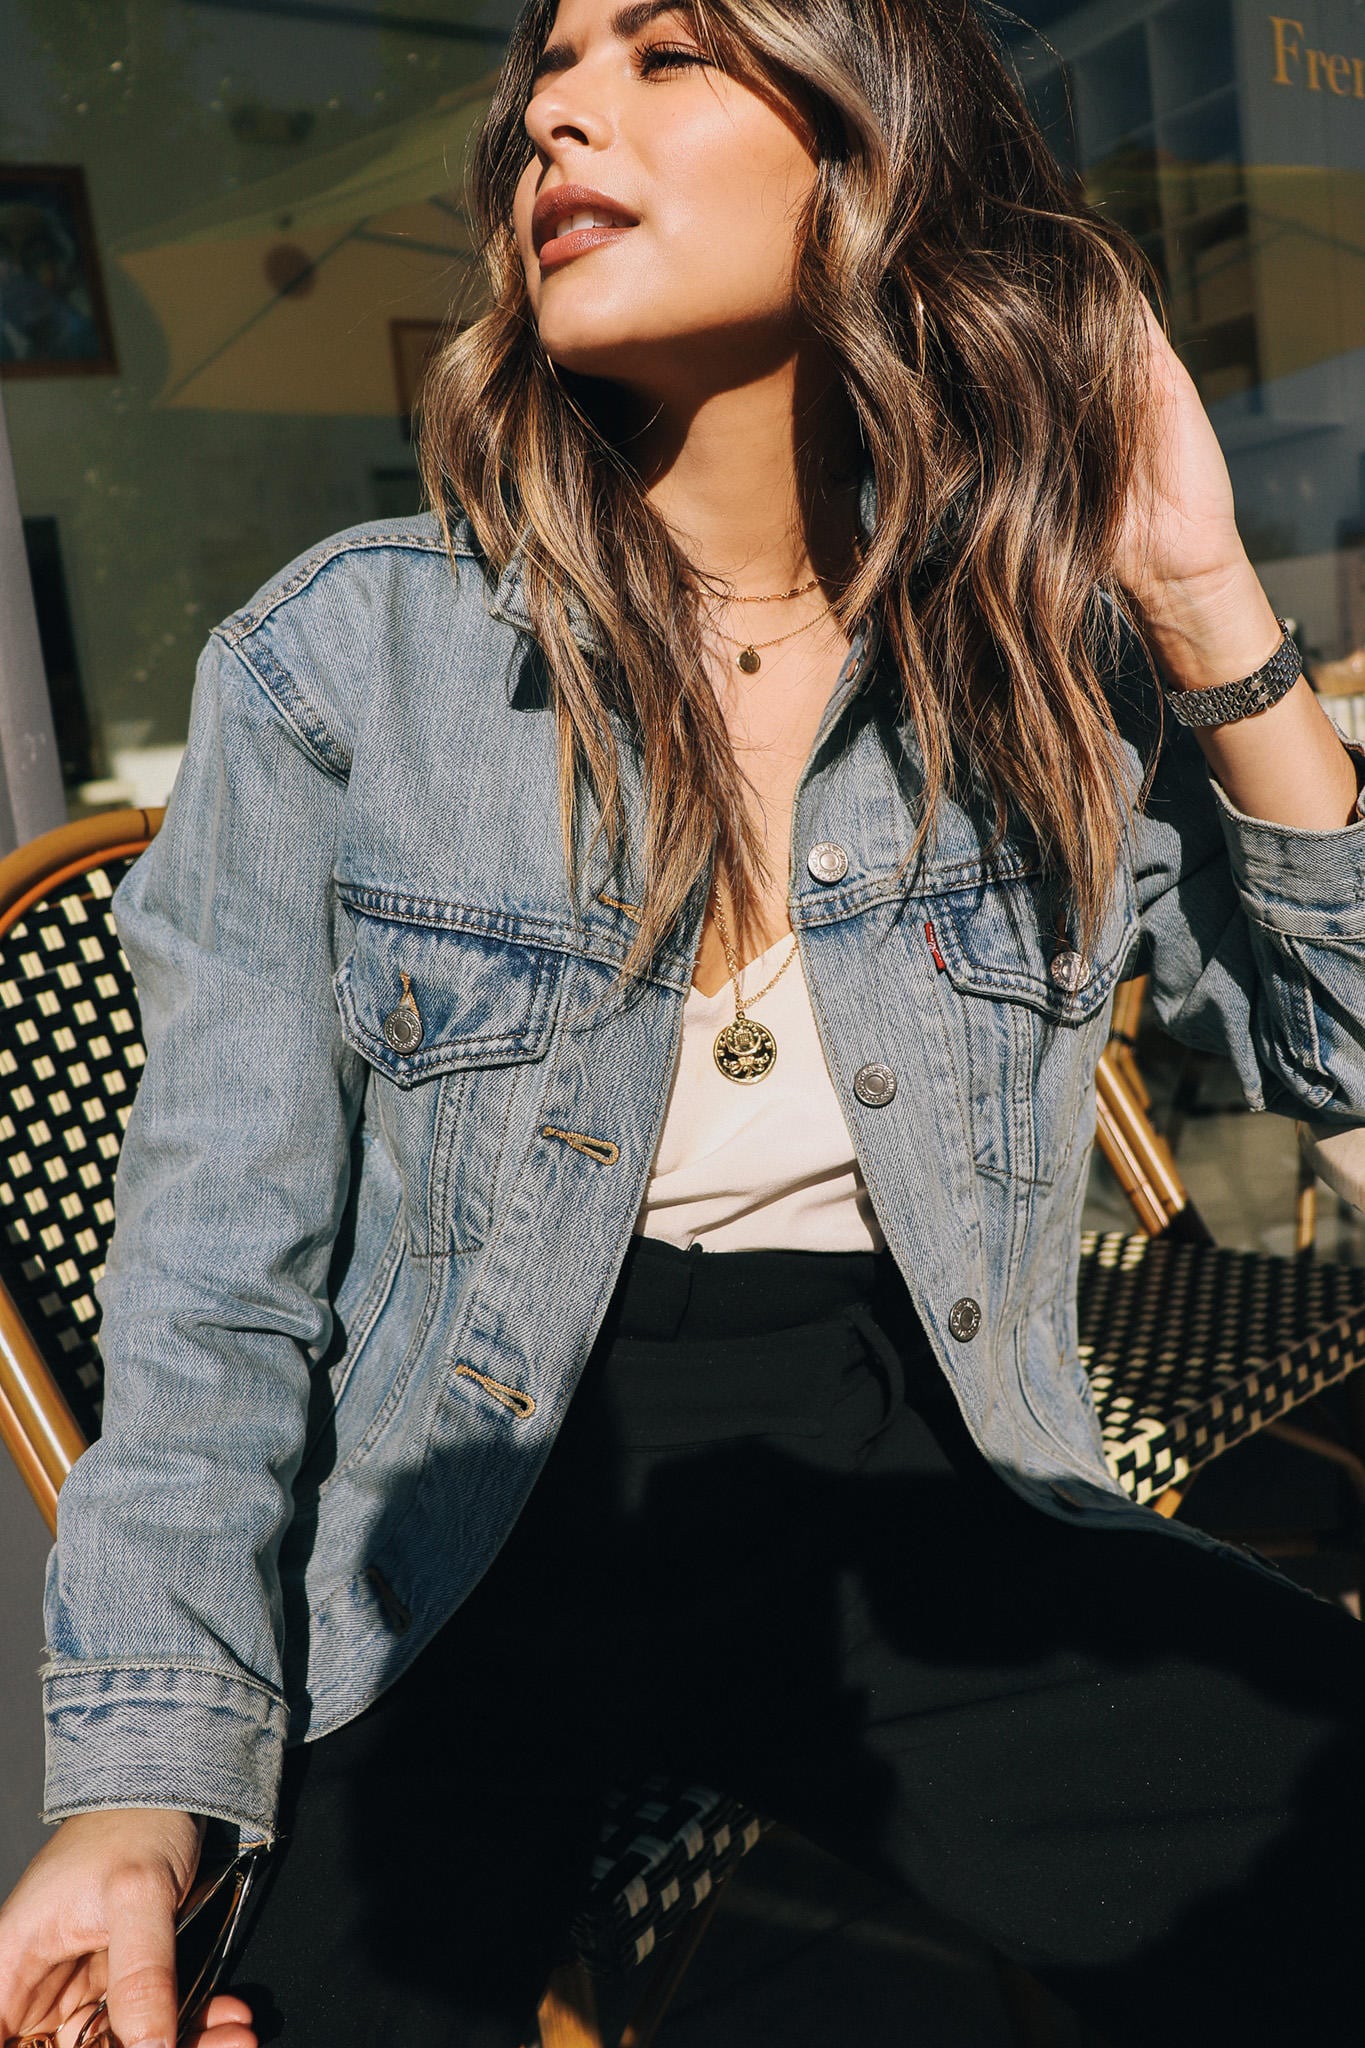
column 764, row 1551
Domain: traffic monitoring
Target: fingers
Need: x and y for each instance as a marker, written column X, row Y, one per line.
column 32, row 2002
column 224, row 2023
column 94, row 1914
column 142, row 1993
column 225, row 2007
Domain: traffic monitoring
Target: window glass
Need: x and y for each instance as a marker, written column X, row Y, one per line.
column 228, row 230
column 1230, row 140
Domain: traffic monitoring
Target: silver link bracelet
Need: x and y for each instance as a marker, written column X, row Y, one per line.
column 1257, row 692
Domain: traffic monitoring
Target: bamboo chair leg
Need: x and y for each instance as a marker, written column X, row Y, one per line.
column 1035, row 2018
column 648, row 2016
column 568, row 2011
column 1139, row 1156
column 1306, row 1207
column 1029, row 2010
column 1123, row 1030
column 1355, row 1420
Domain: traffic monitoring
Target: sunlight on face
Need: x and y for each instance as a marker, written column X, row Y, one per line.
column 714, row 171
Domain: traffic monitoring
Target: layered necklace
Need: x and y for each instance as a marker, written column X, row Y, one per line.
column 745, row 1050
column 749, row 657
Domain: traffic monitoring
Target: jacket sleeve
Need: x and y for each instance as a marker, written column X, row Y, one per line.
column 1253, row 933
column 162, row 1682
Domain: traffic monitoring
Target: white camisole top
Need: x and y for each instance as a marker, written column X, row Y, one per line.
column 762, row 1165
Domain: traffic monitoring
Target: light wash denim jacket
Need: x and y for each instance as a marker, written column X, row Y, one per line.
column 352, row 1285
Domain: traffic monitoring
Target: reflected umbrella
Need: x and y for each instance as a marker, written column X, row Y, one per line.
column 280, row 297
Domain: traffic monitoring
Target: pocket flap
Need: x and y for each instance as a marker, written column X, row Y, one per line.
column 996, row 940
column 449, row 998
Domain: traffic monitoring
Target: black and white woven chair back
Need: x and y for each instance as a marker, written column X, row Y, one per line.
column 70, row 1057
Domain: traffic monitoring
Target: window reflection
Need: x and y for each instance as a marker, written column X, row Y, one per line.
column 230, row 228
column 1230, row 139
column 270, row 192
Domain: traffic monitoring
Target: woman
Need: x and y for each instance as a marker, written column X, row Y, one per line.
column 773, row 651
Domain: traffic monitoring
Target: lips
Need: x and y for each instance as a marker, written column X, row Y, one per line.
column 556, row 207
column 561, row 249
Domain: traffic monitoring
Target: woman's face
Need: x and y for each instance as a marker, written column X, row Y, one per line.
column 697, row 292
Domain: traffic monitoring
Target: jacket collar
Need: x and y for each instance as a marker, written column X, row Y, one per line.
column 508, row 602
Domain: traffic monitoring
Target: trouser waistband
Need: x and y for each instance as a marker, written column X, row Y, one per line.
column 664, row 1292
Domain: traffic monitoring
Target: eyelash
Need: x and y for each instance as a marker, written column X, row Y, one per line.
column 670, row 57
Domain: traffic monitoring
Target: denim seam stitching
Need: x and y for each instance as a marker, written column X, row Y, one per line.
column 64, row 1670
column 454, row 1082
column 517, row 927
column 240, row 625
column 398, row 1386
column 533, row 1034
column 368, row 1311
column 305, row 722
column 262, row 1832
column 830, row 907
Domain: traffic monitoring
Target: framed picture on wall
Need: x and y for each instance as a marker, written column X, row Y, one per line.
column 54, row 321
column 412, row 342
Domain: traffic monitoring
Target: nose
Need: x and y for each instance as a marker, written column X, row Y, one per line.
column 564, row 111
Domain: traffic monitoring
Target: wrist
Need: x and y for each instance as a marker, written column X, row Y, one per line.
column 1209, row 629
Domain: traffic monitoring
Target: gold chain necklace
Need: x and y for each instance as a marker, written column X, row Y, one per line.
column 745, row 1050
column 749, row 658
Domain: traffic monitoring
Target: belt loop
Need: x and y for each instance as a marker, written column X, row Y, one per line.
column 654, row 1288
column 885, row 1357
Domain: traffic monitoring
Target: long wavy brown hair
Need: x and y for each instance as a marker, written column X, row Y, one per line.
column 988, row 328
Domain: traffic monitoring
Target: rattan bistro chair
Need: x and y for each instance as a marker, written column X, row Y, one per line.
column 1189, row 1346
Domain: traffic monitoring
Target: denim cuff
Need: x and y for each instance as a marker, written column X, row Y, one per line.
column 193, row 1740
column 1294, row 879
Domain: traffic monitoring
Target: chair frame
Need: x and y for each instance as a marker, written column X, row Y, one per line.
column 44, row 1439
column 36, row 1424
column 1144, row 1166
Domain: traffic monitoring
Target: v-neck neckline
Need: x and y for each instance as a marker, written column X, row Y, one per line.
column 727, row 987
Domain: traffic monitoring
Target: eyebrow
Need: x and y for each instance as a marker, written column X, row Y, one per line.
column 627, row 21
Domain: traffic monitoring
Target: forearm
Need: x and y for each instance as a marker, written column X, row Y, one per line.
column 1288, row 764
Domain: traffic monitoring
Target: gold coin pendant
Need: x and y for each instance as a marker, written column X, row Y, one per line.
column 745, row 1050
column 749, row 659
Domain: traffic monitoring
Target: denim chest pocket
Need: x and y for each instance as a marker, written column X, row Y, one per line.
column 454, row 1025
column 1032, row 1014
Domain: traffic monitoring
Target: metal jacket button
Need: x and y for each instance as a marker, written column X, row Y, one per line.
column 1068, row 969
column 874, row 1085
column 964, row 1319
column 403, row 1029
column 827, row 862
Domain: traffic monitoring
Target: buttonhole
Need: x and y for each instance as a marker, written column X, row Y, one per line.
column 600, row 1149
column 398, row 1615
column 521, row 1404
column 630, row 909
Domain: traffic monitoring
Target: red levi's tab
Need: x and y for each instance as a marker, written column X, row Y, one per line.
column 939, row 961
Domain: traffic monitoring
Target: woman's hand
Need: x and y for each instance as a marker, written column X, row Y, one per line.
column 93, row 1917
column 1179, row 531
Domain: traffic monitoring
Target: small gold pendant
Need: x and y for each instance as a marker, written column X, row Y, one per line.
column 749, row 659
column 744, row 1050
